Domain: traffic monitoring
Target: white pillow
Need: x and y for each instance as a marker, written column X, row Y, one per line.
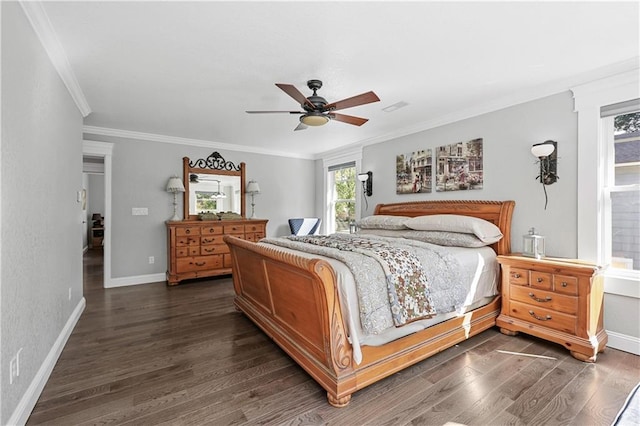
column 382, row 221
column 486, row 231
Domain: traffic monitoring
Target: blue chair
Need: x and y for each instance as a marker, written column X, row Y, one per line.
column 304, row 225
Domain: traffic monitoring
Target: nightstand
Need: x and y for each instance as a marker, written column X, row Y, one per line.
column 554, row 299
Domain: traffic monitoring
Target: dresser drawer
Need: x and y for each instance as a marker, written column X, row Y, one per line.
column 187, row 241
column 540, row 280
column 544, row 317
column 519, row 276
column 254, row 236
column 565, row 284
column 214, row 249
column 234, row 229
column 184, row 251
column 545, row 299
column 211, row 239
column 192, row 230
column 198, row 263
column 254, row 228
column 212, row 230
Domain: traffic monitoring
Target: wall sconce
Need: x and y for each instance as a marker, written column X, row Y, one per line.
column 367, row 183
column 547, row 154
column 253, row 188
column 174, row 186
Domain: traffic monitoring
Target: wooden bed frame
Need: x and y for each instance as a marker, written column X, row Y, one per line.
column 294, row 300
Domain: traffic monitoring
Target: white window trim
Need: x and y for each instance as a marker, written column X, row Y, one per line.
column 341, row 157
column 592, row 172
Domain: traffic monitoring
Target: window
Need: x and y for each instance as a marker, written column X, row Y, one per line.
column 621, row 190
column 342, row 201
column 206, row 202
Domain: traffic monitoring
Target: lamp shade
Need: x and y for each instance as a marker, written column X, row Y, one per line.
column 175, row 185
column 314, row 119
column 96, row 216
column 542, row 149
column 253, row 187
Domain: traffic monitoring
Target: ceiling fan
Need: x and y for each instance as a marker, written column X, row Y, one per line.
column 317, row 111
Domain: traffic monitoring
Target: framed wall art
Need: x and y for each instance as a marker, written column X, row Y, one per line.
column 413, row 172
column 459, row 166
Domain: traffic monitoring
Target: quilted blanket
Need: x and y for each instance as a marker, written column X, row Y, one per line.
column 394, row 278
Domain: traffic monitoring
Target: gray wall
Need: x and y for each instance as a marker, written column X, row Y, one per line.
column 41, row 163
column 509, row 167
column 140, row 172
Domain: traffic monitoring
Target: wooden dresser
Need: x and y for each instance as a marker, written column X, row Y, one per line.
column 196, row 249
column 557, row 300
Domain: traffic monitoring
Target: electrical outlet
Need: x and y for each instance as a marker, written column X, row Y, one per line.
column 152, row 260
column 139, row 211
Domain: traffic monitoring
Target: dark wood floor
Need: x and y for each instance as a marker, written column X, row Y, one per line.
column 152, row 354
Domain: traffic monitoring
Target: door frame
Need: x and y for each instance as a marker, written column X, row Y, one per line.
column 104, row 150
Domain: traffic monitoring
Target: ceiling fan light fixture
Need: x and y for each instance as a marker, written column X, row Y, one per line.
column 314, row 119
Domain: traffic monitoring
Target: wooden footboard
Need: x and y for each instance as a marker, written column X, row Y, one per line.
column 294, row 300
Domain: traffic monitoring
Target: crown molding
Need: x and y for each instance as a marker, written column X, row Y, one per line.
column 151, row 137
column 526, row 95
column 44, row 30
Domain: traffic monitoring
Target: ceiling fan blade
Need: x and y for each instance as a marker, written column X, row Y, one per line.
column 349, row 119
column 274, row 112
column 291, row 90
column 364, row 98
column 301, row 126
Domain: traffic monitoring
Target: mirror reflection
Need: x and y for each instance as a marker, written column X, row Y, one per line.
column 212, row 193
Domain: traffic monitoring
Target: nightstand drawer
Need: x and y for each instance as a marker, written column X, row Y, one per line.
column 544, row 317
column 540, row 280
column 545, row 299
column 565, row 284
column 519, row 276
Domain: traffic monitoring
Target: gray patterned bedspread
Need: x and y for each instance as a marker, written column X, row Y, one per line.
column 397, row 280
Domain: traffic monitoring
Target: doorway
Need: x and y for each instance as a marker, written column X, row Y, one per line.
column 97, row 170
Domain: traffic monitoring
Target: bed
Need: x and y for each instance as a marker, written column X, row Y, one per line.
column 295, row 299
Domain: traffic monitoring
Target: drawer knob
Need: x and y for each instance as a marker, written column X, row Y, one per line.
column 564, row 284
column 188, row 231
column 516, row 275
column 200, row 263
column 546, row 318
column 540, row 279
column 211, row 230
column 537, row 299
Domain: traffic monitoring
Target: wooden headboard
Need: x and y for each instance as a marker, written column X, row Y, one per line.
column 496, row 212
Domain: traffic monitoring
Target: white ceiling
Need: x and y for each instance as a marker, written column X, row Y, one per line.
column 191, row 69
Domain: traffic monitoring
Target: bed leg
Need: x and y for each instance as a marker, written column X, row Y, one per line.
column 338, row 402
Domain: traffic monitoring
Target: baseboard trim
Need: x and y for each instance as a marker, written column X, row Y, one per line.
column 623, row 342
column 135, row 280
column 28, row 401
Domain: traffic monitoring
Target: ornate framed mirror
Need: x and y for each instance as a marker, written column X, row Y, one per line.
column 213, row 185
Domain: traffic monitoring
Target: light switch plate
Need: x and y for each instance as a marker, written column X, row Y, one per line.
column 139, row 211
